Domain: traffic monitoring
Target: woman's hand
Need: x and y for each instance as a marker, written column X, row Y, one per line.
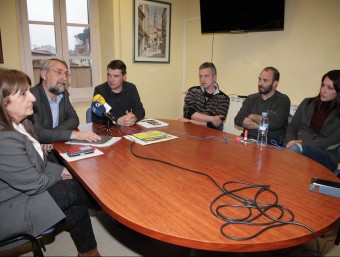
column 47, row 148
column 293, row 142
column 65, row 174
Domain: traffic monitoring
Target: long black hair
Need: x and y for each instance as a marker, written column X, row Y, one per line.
column 334, row 76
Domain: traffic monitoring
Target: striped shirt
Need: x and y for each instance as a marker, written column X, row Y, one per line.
column 197, row 100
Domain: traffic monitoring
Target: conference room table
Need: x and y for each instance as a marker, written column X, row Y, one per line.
column 167, row 194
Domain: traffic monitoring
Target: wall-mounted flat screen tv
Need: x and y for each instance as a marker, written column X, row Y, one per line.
column 218, row 16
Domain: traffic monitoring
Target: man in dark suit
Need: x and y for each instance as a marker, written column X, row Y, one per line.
column 54, row 117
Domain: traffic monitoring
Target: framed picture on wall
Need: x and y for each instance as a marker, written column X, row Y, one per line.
column 1, row 55
column 152, row 31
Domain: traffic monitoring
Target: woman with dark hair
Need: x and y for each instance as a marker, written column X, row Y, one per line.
column 315, row 127
column 35, row 194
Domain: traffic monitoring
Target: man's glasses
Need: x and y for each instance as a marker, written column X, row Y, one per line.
column 59, row 73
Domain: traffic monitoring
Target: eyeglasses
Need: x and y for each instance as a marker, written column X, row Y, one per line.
column 59, row 73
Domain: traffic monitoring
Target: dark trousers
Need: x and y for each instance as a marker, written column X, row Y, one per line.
column 319, row 155
column 315, row 153
column 74, row 202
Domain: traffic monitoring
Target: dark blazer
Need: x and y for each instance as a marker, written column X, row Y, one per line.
column 25, row 204
column 42, row 117
column 327, row 139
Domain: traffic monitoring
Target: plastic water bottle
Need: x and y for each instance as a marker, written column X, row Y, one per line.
column 263, row 130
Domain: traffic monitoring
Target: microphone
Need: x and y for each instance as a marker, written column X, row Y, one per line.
column 100, row 99
column 99, row 110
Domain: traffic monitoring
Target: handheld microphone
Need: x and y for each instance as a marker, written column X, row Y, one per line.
column 99, row 110
column 100, row 99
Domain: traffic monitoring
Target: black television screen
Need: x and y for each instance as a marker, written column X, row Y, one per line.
column 241, row 15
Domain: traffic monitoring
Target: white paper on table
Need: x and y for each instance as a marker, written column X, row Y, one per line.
column 152, row 123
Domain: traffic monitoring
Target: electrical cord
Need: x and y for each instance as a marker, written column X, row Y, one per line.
column 245, row 203
column 224, row 134
column 212, row 48
column 224, row 140
column 172, row 164
column 251, row 205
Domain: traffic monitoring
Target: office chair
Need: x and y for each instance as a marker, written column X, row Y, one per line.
column 24, row 237
column 37, row 242
column 88, row 115
column 40, row 238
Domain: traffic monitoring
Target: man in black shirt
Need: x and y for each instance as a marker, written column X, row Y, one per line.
column 122, row 96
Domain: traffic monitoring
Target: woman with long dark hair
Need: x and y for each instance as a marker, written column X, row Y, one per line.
column 314, row 130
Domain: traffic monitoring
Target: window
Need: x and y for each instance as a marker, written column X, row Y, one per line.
column 62, row 29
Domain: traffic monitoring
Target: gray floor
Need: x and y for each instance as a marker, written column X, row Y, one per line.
column 114, row 240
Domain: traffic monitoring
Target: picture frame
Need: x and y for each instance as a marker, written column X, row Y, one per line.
column 1, row 55
column 152, row 23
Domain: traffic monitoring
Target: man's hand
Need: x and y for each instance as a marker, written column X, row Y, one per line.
column 217, row 120
column 202, row 119
column 248, row 123
column 85, row 135
column 129, row 119
column 183, row 119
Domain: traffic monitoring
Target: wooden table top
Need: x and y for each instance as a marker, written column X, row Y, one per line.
column 173, row 205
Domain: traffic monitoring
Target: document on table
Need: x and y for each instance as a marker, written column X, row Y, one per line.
column 150, row 137
column 105, row 141
column 152, row 123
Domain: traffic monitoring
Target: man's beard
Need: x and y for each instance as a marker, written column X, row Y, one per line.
column 56, row 90
column 267, row 90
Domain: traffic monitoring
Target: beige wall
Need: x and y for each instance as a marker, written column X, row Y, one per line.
column 159, row 85
column 303, row 52
column 9, row 34
column 306, row 49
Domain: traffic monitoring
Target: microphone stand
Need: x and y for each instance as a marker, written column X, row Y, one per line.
column 107, row 128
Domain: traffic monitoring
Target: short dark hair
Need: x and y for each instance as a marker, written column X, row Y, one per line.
column 210, row 65
column 117, row 65
column 276, row 73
